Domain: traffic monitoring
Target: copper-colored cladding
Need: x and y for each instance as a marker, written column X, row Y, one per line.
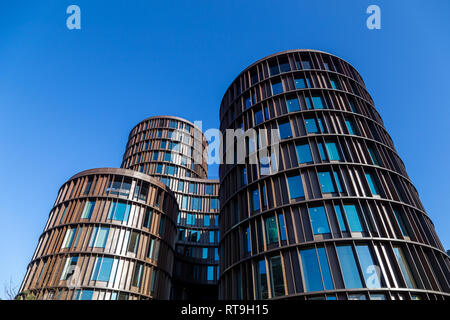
column 110, row 236
column 322, row 100
column 165, row 147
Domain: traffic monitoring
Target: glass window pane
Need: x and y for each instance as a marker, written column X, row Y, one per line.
column 304, row 153
column 282, row 226
column 338, row 181
column 332, row 150
column 295, row 187
column 323, row 156
column 311, row 271
column 293, row 105
column 340, row 218
column 371, row 272
column 401, row 223
column 261, row 278
column 319, row 220
column 277, row 87
column 255, row 200
column 350, row 126
column 326, row 183
column 285, row 130
column 300, row 83
column 311, row 126
column 326, row 273
column 102, row 237
column 348, row 267
column 276, row 276
column 404, row 268
column 271, row 229
column 353, row 218
column 318, row 102
column 372, row 185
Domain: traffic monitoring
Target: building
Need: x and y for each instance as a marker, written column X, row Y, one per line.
column 166, row 148
column 109, row 236
column 335, row 215
column 328, row 212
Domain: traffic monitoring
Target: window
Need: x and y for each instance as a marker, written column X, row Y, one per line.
column 155, row 155
column 282, row 226
column 292, row 105
column 316, row 271
column 211, row 236
column 318, row 102
column 167, row 156
column 243, row 176
column 373, row 156
column 340, row 218
column 141, row 192
column 308, row 101
column 349, row 268
column 273, row 68
column 323, row 156
column 300, row 83
column 136, row 281
column 335, row 84
column 295, row 187
column 333, row 152
column 404, row 268
column 276, row 276
column 271, row 229
column 258, row 117
column 99, row 237
column 319, row 220
column 210, row 276
column 254, row 194
column 247, row 102
column 310, row 124
column 284, row 65
column 214, row 204
column 88, row 209
column 353, row 218
column 68, row 239
column 180, row 185
column 88, row 185
column 401, row 223
column 205, row 253
column 83, row 295
column 119, row 211
column 277, row 87
column 133, row 242
column 369, row 268
column 69, row 268
column 171, row 170
column 306, row 64
column 148, row 218
column 247, row 241
column 192, row 187
column 350, row 126
column 372, row 184
column 326, row 183
column 261, row 279
column 338, row 181
column 304, row 153
column 285, row 130
column 102, row 269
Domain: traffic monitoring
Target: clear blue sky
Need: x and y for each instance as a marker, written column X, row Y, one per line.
column 69, row 98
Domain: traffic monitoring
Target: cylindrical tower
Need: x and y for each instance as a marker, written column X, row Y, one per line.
column 109, row 236
column 174, row 151
column 333, row 214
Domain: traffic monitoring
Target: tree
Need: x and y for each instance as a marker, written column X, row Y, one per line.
column 10, row 289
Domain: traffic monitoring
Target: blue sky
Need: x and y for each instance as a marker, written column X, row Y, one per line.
column 69, row 98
